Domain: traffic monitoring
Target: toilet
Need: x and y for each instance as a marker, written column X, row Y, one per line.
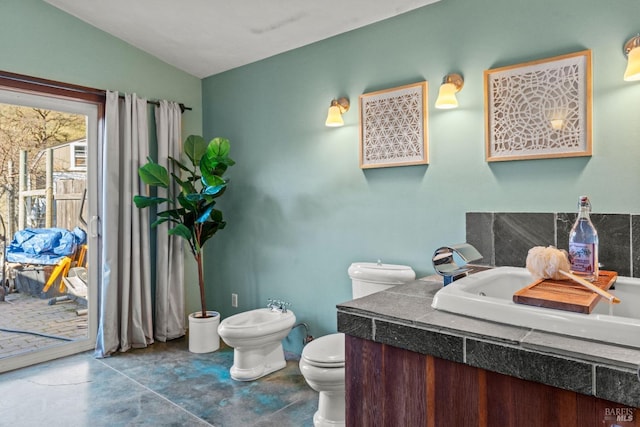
column 256, row 338
column 322, row 360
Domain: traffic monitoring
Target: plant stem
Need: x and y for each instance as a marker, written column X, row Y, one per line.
column 201, row 283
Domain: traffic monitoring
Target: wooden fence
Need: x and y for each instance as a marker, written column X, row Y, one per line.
column 63, row 198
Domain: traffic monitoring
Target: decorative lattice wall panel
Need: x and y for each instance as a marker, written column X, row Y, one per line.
column 539, row 109
column 393, row 127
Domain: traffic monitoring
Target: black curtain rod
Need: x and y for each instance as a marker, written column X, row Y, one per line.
column 70, row 88
column 183, row 108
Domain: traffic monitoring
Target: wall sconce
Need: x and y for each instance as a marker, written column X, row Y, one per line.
column 632, row 52
column 336, row 110
column 451, row 84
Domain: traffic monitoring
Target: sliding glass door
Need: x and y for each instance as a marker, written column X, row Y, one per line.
column 49, row 192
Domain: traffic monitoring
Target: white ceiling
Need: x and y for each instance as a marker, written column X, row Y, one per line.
column 205, row 37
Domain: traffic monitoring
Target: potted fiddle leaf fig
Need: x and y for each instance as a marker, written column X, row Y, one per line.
column 192, row 215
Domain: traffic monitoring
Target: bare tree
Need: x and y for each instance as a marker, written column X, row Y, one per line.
column 32, row 129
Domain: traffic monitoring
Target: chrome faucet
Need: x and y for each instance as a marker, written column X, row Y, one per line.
column 445, row 265
column 278, row 305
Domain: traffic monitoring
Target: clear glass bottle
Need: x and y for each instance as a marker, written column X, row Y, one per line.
column 583, row 243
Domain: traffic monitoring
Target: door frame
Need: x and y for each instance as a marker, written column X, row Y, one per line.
column 29, row 91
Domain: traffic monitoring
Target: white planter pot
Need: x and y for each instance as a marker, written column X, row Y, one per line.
column 203, row 332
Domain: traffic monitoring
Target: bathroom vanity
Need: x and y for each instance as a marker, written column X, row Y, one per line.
column 409, row 364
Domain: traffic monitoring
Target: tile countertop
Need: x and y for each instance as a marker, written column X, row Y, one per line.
column 403, row 317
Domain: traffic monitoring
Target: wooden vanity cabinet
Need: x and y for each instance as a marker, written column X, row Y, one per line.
column 389, row 386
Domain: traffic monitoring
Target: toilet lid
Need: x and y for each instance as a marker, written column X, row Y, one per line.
column 327, row 351
column 381, row 273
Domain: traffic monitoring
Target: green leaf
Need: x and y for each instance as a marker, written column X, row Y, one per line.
column 218, row 148
column 194, row 197
column 182, row 231
column 213, row 190
column 176, row 214
column 189, row 219
column 189, row 201
column 208, row 230
column 219, row 152
column 158, row 222
column 195, row 147
column 154, row 174
column 145, row 202
column 216, row 215
column 208, row 170
column 211, row 179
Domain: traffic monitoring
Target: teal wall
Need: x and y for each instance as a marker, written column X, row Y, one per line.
column 300, row 210
column 42, row 41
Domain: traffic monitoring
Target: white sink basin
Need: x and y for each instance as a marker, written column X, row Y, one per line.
column 489, row 295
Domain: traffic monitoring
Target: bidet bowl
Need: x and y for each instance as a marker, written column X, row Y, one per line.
column 258, row 322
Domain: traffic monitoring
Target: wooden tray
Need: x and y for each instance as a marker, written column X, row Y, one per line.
column 564, row 294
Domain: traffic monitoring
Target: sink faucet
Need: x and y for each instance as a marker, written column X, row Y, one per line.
column 278, row 305
column 445, row 265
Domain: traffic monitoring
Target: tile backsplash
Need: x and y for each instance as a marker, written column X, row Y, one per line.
column 505, row 238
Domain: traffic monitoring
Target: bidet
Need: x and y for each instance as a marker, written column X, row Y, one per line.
column 256, row 338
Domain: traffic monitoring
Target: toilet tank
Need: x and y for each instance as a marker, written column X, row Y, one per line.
column 370, row 277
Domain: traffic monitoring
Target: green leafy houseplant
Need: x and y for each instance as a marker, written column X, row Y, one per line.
column 192, row 211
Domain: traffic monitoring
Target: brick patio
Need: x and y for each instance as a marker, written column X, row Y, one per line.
column 29, row 313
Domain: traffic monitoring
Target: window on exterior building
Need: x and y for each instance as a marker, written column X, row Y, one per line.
column 78, row 160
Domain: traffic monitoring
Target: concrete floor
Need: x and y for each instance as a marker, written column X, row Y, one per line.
column 162, row 385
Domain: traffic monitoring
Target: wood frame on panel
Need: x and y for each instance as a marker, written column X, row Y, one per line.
column 539, row 109
column 393, row 127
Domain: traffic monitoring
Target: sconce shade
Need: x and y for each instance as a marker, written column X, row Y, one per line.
column 451, row 84
column 632, row 73
column 334, row 116
column 447, row 96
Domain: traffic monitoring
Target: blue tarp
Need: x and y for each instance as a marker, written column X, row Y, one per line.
column 45, row 246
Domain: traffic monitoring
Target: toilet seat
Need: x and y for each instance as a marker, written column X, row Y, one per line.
column 325, row 352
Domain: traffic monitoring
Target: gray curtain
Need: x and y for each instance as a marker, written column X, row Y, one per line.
column 125, row 317
column 169, row 307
